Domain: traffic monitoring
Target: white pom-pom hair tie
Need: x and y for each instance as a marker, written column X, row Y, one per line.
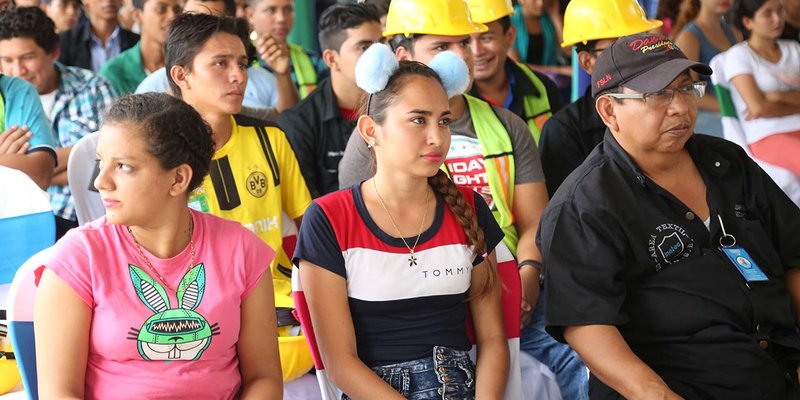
column 453, row 72
column 374, row 68
column 377, row 65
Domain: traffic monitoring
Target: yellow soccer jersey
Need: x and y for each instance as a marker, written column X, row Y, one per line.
column 254, row 179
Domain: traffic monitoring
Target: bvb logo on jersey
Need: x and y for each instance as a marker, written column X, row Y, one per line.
column 257, row 184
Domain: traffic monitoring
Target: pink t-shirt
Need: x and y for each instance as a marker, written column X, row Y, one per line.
column 146, row 341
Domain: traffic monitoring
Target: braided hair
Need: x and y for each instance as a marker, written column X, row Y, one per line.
column 466, row 217
column 175, row 133
column 378, row 104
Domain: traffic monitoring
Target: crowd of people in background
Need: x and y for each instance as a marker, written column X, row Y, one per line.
column 396, row 166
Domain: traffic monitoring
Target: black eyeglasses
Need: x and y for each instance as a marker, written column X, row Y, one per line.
column 662, row 98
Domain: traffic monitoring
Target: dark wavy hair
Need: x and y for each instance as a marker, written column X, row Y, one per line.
column 175, row 133
column 30, row 23
column 337, row 19
column 189, row 32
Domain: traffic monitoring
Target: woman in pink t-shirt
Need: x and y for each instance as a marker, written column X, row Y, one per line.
column 156, row 300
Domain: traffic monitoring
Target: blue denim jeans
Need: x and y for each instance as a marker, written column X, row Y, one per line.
column 571, row 374
column 447, row 374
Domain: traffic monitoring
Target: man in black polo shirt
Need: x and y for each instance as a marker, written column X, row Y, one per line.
column 571, row 134
column 670, row 257
column 319, row 126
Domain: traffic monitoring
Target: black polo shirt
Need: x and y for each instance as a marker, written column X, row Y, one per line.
column 521, row 86
column 318, row 135
column 620, row 250
column 568, row 138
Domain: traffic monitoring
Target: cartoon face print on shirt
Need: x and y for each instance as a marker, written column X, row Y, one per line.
column 172, row 334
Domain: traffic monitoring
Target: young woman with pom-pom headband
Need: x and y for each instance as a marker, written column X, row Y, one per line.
column 388, row 264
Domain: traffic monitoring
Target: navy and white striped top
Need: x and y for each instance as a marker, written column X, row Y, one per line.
column 399, row 311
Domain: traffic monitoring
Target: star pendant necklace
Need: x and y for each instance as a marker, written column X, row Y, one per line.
column 152, row 268
column 412, row 259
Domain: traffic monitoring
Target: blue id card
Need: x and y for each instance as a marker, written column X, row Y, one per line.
column 745, row 264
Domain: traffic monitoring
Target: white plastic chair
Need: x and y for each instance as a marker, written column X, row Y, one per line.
column 81, row 173
column 732, row 130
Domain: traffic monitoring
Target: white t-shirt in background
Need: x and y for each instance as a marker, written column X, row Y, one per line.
column 48, row 100
column 770, row 77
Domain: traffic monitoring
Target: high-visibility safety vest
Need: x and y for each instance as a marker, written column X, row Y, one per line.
column 2, row 113
column 537, row 108
column 304, row 71
column 498, row 157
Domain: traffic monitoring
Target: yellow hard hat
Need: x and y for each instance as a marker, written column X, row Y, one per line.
column 430, row 17
column 586, row 20
column 486, row 11
column 9, row 373
column 296, row 359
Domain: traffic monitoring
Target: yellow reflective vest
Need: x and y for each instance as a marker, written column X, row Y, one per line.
column 498, row 156
column 537, row 108
column 304, row 71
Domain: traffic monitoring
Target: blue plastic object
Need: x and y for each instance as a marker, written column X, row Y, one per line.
column 21, row 237
column 580, row 79
column 24, row 343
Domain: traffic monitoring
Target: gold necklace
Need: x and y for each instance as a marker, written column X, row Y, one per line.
column 152, row 268
column 412, row 259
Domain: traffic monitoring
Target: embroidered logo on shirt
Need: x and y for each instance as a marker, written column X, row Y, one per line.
column 669, row 245
column 172, row 333
column 257, row 184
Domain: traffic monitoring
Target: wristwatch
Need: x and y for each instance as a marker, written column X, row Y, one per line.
column 534, row 264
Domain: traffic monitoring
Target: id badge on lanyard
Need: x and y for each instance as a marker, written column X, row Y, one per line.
column 739, row 257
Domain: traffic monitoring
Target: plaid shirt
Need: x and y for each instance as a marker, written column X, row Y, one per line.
column 80, row 99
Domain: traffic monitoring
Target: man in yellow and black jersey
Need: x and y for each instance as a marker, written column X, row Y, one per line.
column 255, row 179
column 254, row 176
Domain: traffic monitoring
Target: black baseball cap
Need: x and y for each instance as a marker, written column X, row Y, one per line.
column 644, row 62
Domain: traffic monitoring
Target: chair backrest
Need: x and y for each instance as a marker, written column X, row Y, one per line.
column 20, row 319
column 732, row 130
column 327, row 388
column 81, row 173
column 512, row 294
column 27, row 224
